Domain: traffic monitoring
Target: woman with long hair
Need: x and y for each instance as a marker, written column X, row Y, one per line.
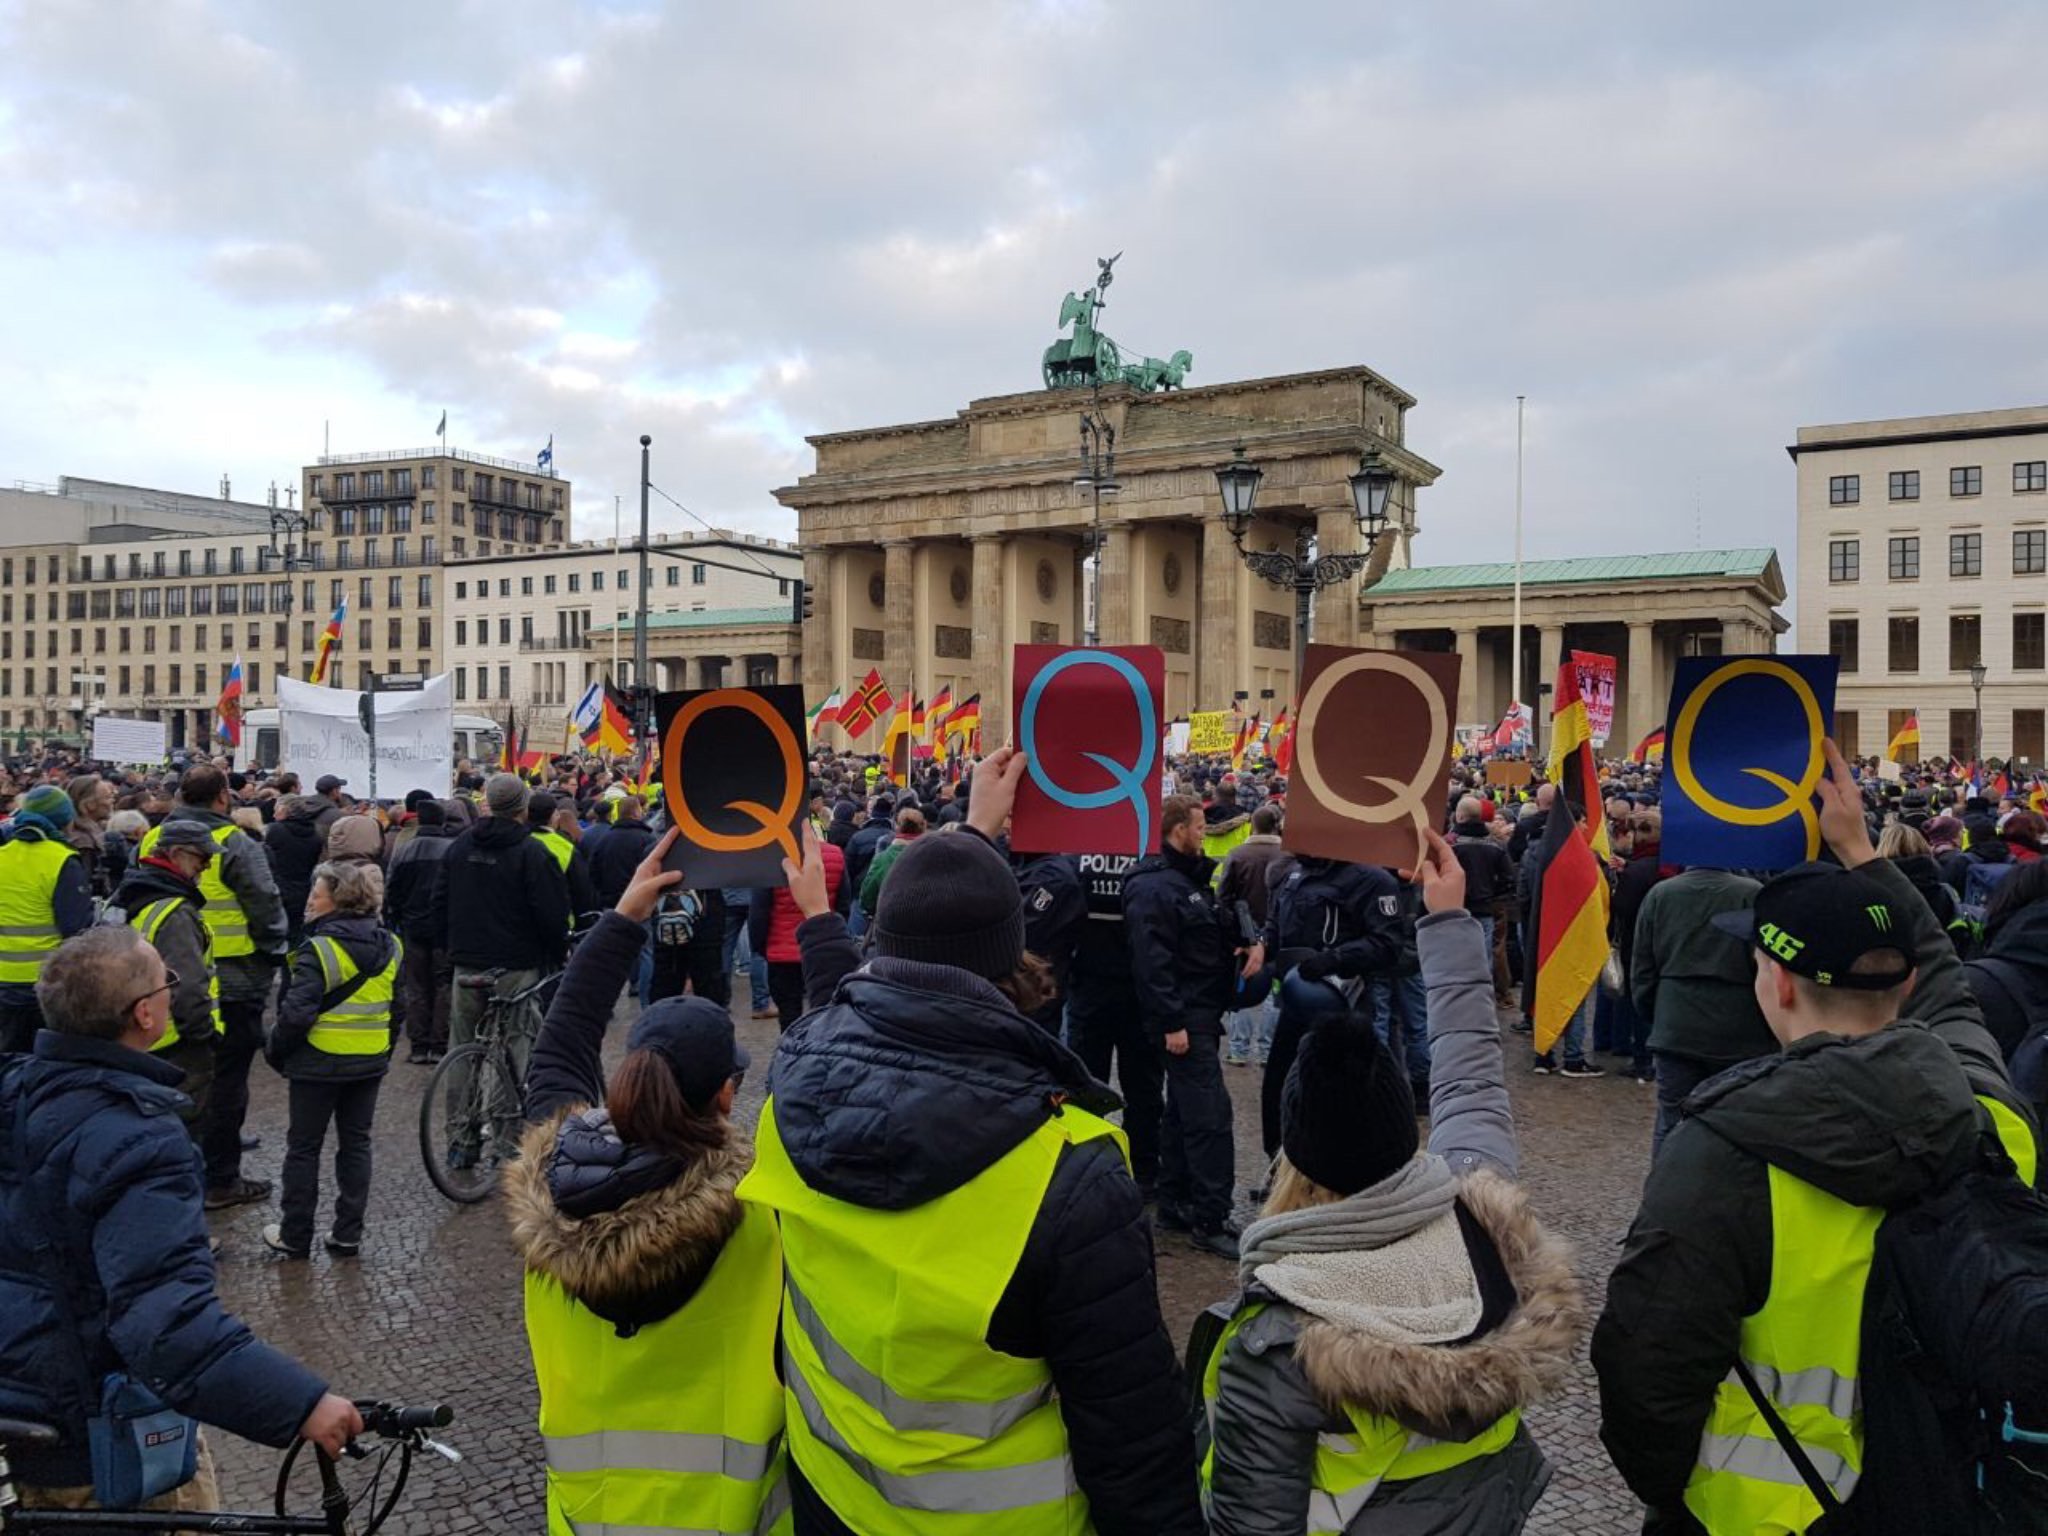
column 1400, row 1308
column 652, row 1291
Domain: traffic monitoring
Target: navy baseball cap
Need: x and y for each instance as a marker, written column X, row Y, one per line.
column 695, row 1037
column 1818, row 920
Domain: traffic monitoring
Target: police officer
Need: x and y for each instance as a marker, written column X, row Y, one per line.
column 246, row 920
column 162, row 898
column 1102, row 1021
column 1330, row 923
column 1184, row 968
column 44, row 899
column 1055, row 912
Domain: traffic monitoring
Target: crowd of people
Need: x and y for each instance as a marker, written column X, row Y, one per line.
column 921, row 1291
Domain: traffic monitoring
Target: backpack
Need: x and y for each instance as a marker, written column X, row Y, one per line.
column 1978, row 886
column 1954, row 1365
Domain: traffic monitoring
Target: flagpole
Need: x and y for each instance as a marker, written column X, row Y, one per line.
column 1515, row 687
column 617, row 502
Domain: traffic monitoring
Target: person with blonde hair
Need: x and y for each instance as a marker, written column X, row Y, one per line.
column 1400, row 1308
column 341, row 1010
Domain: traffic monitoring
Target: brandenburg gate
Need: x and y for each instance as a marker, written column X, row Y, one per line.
column 932, row 548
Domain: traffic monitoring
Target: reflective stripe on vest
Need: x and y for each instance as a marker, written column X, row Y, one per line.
column 361, row 1026
column 148, row 921
column 1803, row 1346
column 901, row 1416
column 222, row 914
column 2016, row 1136
column 1349, row 1469
column 28, row 894
column 677, row 1427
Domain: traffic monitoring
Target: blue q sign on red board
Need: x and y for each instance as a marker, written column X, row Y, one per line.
column 1090, row 720
column 1742, row 754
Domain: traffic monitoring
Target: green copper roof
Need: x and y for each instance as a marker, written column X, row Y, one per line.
column 708, row 618
column 1596, row 568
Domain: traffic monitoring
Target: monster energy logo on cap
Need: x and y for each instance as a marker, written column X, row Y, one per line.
column 1806, row 921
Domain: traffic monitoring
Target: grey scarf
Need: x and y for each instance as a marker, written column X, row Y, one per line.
column 1399, row 1205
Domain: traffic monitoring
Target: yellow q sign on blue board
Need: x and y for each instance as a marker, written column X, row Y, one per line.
column 1742, row 756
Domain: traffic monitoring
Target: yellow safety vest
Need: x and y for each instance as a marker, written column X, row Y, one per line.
column 225, row 919
column 900, row 1415
column 556, row 844
column 2016, row 1136
column 1803, row 1347
column 678, row 1426
column 28, row 917
column 360, row 1026
column 1349, row 1469
column 148, row 921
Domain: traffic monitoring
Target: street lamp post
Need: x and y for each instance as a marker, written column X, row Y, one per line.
column 1097, row 475
column 1303, row 569
column 1977, row 717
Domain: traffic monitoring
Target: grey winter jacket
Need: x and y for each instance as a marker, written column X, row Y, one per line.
column 1286, row 1375
column 244, row 868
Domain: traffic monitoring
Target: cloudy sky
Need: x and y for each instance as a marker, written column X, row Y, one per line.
column 1681, row 230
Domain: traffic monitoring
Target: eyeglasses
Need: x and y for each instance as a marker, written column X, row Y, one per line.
column 170, row 981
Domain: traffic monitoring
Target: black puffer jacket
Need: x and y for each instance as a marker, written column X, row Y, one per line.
column 2010, row 979
column 288, row 1048
column 1181, row 963
column 503, row 899
column 909, row 1082
column 409, row 888
column 614, row 859
column 296, row 845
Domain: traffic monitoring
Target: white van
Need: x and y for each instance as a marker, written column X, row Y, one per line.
column 477, row 737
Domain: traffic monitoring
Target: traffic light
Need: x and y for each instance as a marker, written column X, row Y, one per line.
column 803, row 606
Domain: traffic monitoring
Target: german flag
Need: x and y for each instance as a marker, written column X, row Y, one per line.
column 964, row 721
column 936, row 712
column 896, row 742
column 1649, row 748
column 1571, row 899
column 1247, row 732
column 508, row 753
column 1909, row 736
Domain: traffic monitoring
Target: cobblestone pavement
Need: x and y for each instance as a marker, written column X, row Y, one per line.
column 431, row 1311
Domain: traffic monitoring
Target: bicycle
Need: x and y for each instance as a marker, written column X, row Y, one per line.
column 470, row 1116
column 404, row 1431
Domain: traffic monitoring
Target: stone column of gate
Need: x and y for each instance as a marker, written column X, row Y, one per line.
column 1645, row 695
column 1114, row 620
column 1223, row 638
column 823, row 667
column 902, row 639
column 1468, row 674
column 1336, row 615
column 987, row 645
column 1735, row 637
column 1549, row 655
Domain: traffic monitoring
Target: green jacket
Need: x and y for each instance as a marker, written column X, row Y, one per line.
column 1692, row 984
column 878, row 871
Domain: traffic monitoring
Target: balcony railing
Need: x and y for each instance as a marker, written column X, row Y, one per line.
column 556, row 643
column 388, row 455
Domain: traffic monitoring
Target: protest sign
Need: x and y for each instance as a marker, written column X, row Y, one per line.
column 1372, row 754
column 1742, row 754
column 1177, row 739
column 320, row 731
column 127, row 741
column 1210, row 730
column 1089, row 723
column 1596, row 688
column 732, row 777
column 1509, row 772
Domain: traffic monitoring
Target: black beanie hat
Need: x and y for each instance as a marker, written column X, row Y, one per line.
column 950, row 899
column 1347, row 1118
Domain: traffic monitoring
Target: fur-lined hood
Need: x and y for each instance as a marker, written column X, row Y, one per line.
column 1454, row 1391
column 644, row 1258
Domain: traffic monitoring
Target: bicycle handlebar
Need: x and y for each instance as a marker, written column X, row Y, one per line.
column 392, row 1420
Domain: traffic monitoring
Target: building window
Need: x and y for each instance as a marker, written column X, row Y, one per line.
column 1905, row 559
column 504, row 586
column 1966, row 554
column 394, row 632
column 504, row 682
column 2031, row 476
column 2029, row 642
column 483, row 682
column 1965, row 641
column 548, row 585
column 461, row 683
column 427, row 513
column 597, row 581
column 1968, row 480
column 426, row 631
column 1842, row 642
column 782, row 585
column 525, row 628
column 227, row 598
column 575, row 581
column 504, row 631
column 2029, row 551
column 1962, row 734
column 401, row 482
column 252, row 599
column 2027, row 732
column 124, row 602
column 394, row 592
column 344, row 486
column 363, row 635
column 462, row 631
column 1844, row 490
column 344, row 519
column 1904, row 485
column 697, row 574
column 1902, row 644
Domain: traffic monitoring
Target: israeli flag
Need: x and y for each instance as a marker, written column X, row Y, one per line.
column 589, row 710
column 547, row 454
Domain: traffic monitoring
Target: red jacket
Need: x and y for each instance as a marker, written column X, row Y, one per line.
column 783, row 916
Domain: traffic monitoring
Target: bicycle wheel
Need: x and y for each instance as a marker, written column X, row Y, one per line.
column 373, row 1483
column 463, row 1122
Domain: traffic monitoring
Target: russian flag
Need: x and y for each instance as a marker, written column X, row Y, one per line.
column 227, row 709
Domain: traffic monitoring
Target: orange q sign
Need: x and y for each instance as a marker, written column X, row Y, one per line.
column 733, row 779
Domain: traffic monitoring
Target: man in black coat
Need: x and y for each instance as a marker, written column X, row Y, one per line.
column 916, row 1073
column 427, row 972
column 504, row 906
column 1102, row 1021
column 296, row 843
column 1185, row 974
column 625, row 844
column 1054, row 911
